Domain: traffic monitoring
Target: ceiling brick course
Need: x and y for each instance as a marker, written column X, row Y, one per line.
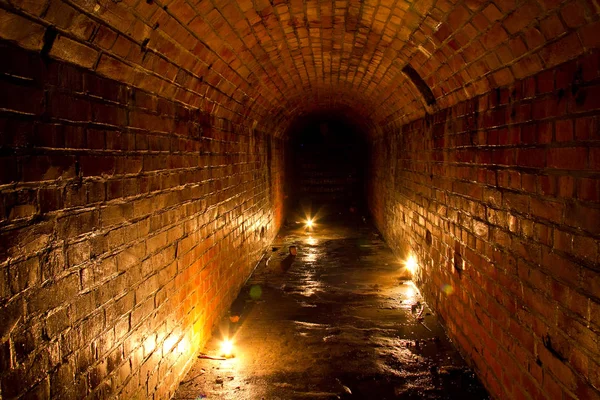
column 271, row 61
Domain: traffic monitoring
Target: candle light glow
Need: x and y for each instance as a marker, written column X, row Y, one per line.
column 411, row 264
column 227, row 348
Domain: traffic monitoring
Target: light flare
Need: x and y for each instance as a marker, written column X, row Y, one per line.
column 447, row 288
column 411, row 264
column 309, row 223
column 410, row 291
column 183, row 346
column 311, row 241
column 227, row 348
column 170, row 342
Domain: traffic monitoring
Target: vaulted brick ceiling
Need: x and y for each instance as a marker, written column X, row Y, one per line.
column 270, row 61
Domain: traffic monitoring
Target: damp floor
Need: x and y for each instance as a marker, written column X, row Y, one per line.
column 339, row 320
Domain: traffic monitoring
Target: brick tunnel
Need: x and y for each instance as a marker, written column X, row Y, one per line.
column 147, row 163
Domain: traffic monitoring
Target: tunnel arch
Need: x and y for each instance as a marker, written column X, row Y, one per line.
column 142, row 174
column 240, row 59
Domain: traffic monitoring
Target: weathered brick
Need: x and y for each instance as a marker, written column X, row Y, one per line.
column 54, row 295
column 109, row 114
column 70, row 107
column 23, row 97
column 568, row 158
column 48, row 168
column 74, row 52
column 583, row 217
column 97, row 165
column 21, row 30
column 538, row 179
column 101, row 183
column 115, row 69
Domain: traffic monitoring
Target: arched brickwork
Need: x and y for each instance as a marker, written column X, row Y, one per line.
column 143, row 150
column 253, row 59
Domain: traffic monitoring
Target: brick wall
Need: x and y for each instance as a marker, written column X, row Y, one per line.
column 170, row 130
column 499, row 198
column 128, row 223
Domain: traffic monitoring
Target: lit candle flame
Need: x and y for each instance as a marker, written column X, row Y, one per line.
column 227, row 347
column 411, row 264
column 309, row 223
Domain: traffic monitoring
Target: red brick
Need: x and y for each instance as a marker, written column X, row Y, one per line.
column 67, row 77
column 506, row 5
column 492, row 13
column 74, row 52
column 549, row 210
column 21, row 30
column 533, row 39
column 564, row 130
column 545, row 107
column 566, row 186
column 69, row 107
column 535, row 158
column 586, row 99
column 565, row 74
column 545, row 82
column 587, row 128
column 585, row 248
column 595, row 158
column 529, row 183
column 589, row 36
column 526, row 66
column 109, row 114
column 551, row 27
column 494, row 36
column 97, row 165
column 48, row 168
column 573, row 158
column 51, row 199
column 544, row 132
column 516, row 202
column 105, row 37
column 588, row 189
column 517, row 46
column 581, row 216
column 22, row 98
column 573, row 13
column 562, row 50
column 182, row 11
column 522, row 17
column 115, row 69
column 458, row 17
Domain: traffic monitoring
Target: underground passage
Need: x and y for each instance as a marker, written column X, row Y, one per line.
column 287, row 199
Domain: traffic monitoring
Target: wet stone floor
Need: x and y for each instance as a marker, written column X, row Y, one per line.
column 339, row 320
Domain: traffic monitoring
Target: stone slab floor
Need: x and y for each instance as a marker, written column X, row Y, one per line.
column 338, row 320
